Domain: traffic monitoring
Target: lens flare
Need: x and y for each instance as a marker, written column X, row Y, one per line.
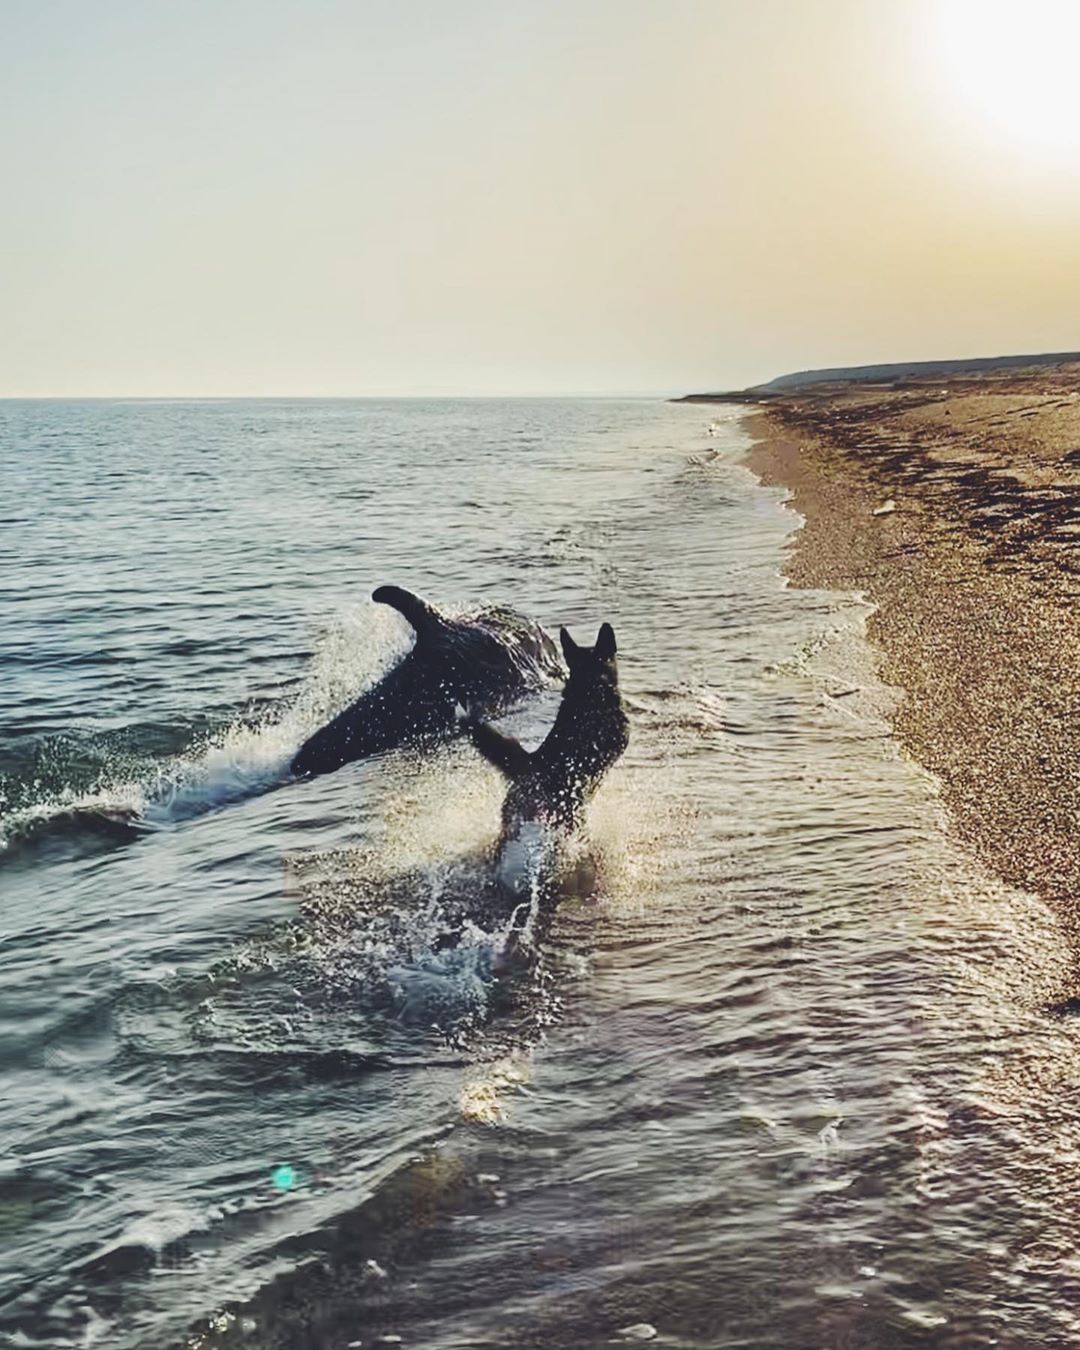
column 284, row 1177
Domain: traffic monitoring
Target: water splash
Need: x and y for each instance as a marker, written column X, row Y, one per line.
column 248, row 755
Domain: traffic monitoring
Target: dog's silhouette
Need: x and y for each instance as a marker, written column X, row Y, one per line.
column 550, row 786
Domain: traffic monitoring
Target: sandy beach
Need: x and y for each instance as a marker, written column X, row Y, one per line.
column 954, row 504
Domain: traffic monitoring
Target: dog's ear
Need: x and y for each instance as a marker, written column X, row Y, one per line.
column 569, row 646
column 605, row 642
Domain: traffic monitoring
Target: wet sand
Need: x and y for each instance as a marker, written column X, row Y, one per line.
column 974, row 566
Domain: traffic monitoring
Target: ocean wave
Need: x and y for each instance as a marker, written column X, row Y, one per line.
column 112, row 786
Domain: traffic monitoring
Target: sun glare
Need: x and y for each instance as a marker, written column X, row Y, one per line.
column 1012, row 72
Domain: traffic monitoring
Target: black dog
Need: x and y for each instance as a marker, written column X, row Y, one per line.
column 551, row 785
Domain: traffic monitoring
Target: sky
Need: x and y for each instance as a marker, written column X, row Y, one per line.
column 495, row 197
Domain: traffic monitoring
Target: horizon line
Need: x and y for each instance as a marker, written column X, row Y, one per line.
column 296, row 398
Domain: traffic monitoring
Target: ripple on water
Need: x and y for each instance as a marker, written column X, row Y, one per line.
column 774, row 1072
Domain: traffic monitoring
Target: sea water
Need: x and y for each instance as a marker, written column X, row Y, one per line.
column 775, row 1072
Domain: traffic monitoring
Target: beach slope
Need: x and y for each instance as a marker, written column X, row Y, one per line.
column 954, row 504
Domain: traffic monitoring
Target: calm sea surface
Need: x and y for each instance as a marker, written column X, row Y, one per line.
column 778, row 1075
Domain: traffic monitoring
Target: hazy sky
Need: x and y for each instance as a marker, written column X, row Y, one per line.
column 528, row 196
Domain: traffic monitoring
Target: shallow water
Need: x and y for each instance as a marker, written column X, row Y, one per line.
column 778, row 1073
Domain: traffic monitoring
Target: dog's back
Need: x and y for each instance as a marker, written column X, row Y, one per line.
column 591, row 730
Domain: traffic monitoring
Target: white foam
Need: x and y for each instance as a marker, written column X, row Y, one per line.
column 251, row 754
column 124, row 802
column 248, row 757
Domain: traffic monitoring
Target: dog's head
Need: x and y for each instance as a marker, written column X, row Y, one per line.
column 592, row 663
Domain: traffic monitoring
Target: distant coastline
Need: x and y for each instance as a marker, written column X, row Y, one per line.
column 890, row 375
column 954, row 504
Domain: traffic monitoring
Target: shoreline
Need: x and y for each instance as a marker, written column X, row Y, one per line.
column 973, row 571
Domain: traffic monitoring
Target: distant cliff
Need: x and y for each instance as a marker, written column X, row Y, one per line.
column 898, row 370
